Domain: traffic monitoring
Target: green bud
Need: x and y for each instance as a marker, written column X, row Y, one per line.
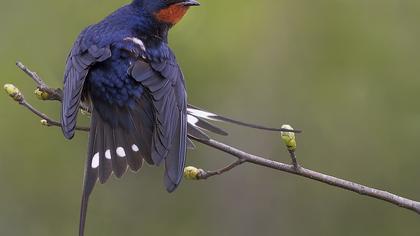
column 41, row 95
column 192, row 173
column 13, row 92
column 289, row 138
column 45, row 123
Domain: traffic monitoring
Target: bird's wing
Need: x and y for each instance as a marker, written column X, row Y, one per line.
column 80, row 59
column 165, row 83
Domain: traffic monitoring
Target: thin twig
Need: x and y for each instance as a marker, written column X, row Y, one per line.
column 48, row 120
column 38, row 81
column 207, row 174
column 54, row 94
column 295, row 163
column 249, row 158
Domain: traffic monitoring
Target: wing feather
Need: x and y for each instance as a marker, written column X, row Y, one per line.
column 165, row 83
column 77, row 68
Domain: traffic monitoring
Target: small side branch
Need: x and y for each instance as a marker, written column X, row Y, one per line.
column 20, row 99
column 295, row 163
column 53, row 94
column 207, row 174
column 44, row 92
column 47, row 121
column 38, row 81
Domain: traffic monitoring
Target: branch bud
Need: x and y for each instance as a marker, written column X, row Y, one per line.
column 192, row 173
column 13, row 92
column 45, row 122
column 41, row 95
column 289, row 138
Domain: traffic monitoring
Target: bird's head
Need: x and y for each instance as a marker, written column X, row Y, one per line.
column 167, row 11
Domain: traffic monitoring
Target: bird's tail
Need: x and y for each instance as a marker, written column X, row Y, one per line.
column 115, row 143
column 197, row 123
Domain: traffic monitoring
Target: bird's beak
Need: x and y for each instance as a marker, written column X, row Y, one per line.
column 190, row 3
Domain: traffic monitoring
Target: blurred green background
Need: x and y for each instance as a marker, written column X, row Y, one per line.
column 344, row 71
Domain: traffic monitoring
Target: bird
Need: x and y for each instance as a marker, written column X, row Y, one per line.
column 124, row 73
column 123, row 69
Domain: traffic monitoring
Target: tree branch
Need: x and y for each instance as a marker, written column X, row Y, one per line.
column 323, row 178
column 242, row 157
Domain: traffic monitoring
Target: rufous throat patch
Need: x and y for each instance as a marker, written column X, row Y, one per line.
column 172, row 14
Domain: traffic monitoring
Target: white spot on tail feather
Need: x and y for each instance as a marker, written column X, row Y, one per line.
column 95, row 161
column 202, row 114
column 135, row 148
column 192, row 120
column 108, row 154
column 120, row 152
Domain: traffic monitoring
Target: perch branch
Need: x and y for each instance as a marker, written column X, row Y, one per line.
column 320, row 177
column 242, row 157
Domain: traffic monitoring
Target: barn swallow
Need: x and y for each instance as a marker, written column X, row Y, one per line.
column 123, row 70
